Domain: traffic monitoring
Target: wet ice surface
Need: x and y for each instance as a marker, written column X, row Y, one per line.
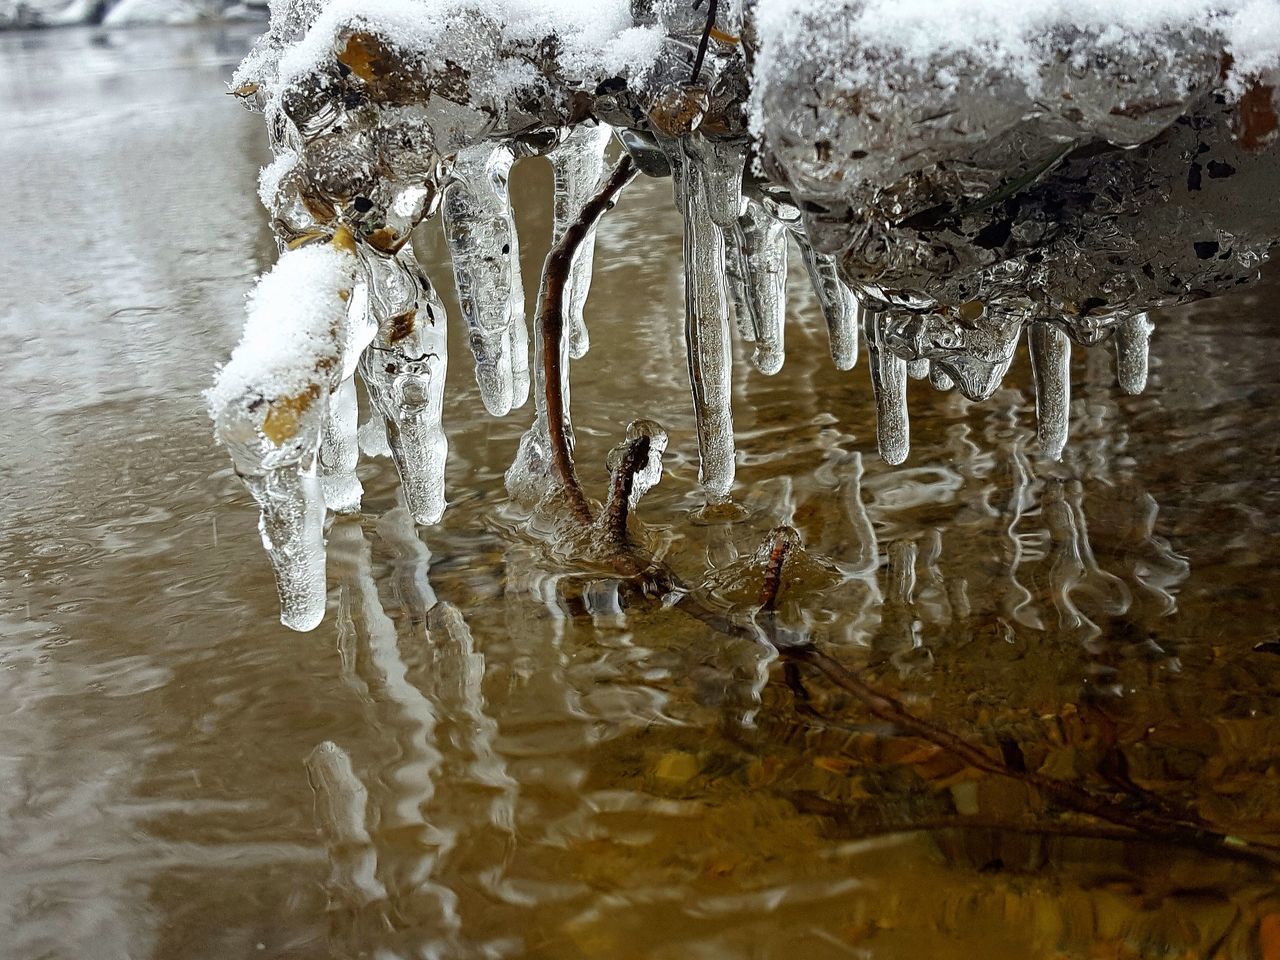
column 543, row 772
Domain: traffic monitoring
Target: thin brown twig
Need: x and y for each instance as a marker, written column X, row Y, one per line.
column 773, row 571
column 706, row 38
column 634, row 459
column 555, row 275
column 1065, row 794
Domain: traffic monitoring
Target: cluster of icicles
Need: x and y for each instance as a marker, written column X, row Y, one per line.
column 286, row 408
column 299, row 457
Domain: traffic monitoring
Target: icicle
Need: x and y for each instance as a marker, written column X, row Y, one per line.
column 518, row 347
column 404, row 370
column 737, row 286
column 917, row 369
column 339, row 451
column 889, row 383
column 526, row 478
column 481, row 234
column 708, row 191
column 577, row 164
column 276, row 457
column 759, row 282
column 1133, row 338
column 938, row 377
column 270, row 402
column 1050, row 351
column 840, row 307
column 292, row 529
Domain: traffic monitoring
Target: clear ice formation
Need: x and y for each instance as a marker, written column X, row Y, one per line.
column 708, row 178
column 1050, row 353
column 760, row 252
column 480, row 231
column 577, row 165
column 403, row 371
column 952, row 182
column 889, row 386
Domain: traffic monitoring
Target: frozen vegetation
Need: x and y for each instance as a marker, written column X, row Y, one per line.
column 957, row 177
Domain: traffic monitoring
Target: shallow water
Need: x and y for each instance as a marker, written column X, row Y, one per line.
column 483, row 752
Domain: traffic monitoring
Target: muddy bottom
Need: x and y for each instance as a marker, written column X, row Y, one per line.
column 486, row 752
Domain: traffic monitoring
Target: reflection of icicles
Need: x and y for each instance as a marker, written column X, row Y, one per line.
column 1018, row 604
column 1050, row 351
column 379, row 655
column 1108, row 591
column 889, row 383
column 839, row 306
column 412, row 564
column 1163, row 569
column 1133, row 338
column 759, row 256
column 342, row 811
column 709, row 187
column 406, row 788
column 480, row 231
column 900, row 635
column 867, row 559
column 458, row 672
column 404, row 372
column 577, row 164
column 339, row 451
column 1067, row 567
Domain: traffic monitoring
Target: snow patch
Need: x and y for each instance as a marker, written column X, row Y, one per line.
column 297, row 313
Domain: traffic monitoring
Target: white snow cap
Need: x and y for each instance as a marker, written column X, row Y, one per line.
column 296, row 323
column 595, row 36
column 1008, row 34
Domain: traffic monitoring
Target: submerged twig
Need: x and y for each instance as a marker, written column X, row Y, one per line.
column 773, row 571
column 555, row 275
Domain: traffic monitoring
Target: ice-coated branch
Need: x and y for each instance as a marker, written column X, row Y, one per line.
column 993, row 175
column 556, row 271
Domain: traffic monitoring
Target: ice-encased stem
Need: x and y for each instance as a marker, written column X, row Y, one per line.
column 339, row 451
column 708, row 181
column 404, row 372
column 840, row 307
column 577, row 165
column 758, row 281
column 1050, row 350
column 889, row 384
column 480, row 231
column 1133, row 339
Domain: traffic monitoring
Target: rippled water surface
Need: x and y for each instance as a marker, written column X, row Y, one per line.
column 484, row 752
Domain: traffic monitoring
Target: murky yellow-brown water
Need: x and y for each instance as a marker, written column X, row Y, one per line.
column 484, row 753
